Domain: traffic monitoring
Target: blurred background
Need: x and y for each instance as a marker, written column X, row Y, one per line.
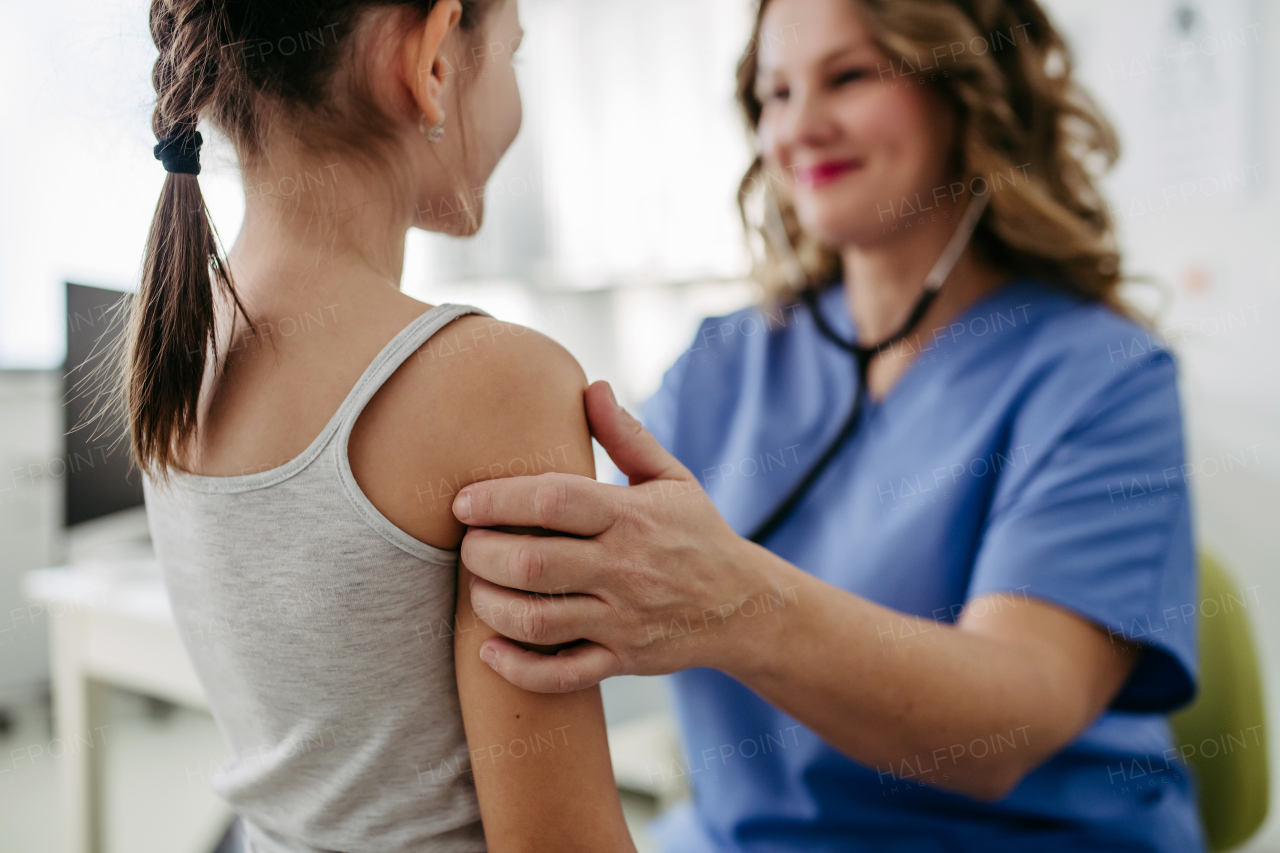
column 611, row 226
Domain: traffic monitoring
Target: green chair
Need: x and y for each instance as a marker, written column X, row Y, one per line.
column 1233, row 779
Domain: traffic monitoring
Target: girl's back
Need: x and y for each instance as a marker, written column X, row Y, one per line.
column 322, row 635
column 304, row 426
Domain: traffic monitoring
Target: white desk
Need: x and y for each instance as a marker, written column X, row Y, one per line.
column 111, row 624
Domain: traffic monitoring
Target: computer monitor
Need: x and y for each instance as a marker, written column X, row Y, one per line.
column 101, row 478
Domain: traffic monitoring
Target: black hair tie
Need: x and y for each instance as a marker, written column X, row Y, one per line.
column 180, row 152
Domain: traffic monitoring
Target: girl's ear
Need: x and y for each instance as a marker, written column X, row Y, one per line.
column 425, row 69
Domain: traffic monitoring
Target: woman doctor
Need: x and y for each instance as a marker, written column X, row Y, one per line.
column 960, row 623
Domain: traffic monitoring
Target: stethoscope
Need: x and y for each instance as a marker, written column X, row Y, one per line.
column 862, row 356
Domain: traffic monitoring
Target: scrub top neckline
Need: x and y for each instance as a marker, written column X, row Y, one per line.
column 832, row 304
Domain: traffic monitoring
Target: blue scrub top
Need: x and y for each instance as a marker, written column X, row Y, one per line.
column 1033, row 449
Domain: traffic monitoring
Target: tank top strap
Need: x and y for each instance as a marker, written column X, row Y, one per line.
column 403, row 345
column 395, row 353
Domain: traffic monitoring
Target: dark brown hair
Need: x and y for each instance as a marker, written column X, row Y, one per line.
column 237, row 64
column 1018, row 110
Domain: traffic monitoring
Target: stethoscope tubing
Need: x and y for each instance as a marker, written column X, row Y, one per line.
column 862, row 357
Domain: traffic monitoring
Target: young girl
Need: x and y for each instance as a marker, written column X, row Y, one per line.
column 304, row 425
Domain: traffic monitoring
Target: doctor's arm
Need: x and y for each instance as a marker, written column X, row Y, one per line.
column 645, row 559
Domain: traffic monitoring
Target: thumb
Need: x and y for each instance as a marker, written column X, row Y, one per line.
column 631, row 447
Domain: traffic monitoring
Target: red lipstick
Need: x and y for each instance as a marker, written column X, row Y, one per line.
column 826, row 172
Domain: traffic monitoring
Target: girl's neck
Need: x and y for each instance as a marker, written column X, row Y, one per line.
column 302, row 239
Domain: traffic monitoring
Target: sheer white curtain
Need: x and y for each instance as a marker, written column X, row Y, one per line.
column 641, row 140
column 78, row 183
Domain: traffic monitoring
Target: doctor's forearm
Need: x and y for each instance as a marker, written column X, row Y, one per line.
column 915, row 699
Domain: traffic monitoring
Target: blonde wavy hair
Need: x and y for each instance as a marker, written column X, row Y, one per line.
column 1018, row 110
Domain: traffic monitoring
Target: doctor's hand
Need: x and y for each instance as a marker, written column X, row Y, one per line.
column 650, row 579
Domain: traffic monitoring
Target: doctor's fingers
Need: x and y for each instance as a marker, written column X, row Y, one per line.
column 577, row 668
column 547, row 564
column 543, row 620
column 565, row 502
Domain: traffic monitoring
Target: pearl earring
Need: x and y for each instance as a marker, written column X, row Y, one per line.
column 434, row 133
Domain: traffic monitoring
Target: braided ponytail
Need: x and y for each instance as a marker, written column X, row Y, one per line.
column 172, row 327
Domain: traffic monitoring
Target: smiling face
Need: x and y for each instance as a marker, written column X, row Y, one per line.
column 848, row 139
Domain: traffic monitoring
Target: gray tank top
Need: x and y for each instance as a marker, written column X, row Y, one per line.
column 322, row 635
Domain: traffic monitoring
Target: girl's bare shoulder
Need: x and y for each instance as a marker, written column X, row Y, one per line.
column 482, row 399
